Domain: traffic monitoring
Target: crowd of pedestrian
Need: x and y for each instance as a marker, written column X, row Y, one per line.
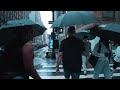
column 17, row 59
column 74, row 54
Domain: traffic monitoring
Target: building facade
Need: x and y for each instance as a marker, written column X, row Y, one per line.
column 38, row 20
column 13, row 15
column 107, row 16
column 41, row 39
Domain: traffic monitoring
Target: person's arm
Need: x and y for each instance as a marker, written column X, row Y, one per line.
column 28, row 57
column 83, row 48
column 118, row 52
column 60, row 55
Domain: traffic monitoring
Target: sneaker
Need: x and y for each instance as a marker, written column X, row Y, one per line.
column 85, row 72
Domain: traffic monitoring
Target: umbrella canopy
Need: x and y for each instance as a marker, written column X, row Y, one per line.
column 108, row 31
column 83, row 33
column 112, row 27
column 37, row 28
column 75, row 18
column 8, row 30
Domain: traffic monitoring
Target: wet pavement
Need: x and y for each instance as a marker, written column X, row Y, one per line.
column 40, row 61
column 46, row 67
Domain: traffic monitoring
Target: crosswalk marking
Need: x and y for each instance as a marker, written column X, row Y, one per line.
column 54, row 65
column 61, row 70
column 48, row 66
column 48, row 72
column 81, row 76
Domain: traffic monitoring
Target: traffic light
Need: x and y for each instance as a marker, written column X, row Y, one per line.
column 56, row 42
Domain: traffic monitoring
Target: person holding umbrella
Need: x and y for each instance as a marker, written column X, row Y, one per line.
column 102, row 64
column 18, row 58
column 70, row 53
column 87, row 51
column 116, row 59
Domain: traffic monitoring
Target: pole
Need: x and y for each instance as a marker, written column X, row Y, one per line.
column 53, row 49
column 53, row 37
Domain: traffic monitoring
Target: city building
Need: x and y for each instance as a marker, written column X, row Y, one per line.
column 107, row 16
column 41, row 39
column 13, row 15
column 39, row 20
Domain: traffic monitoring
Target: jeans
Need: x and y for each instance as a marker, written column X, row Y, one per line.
column 84, row 64
column 74, row 75
column 102, row 66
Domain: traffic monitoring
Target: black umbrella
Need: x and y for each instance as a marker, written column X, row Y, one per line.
column 108, row 31
column 8, row 30
column 83, row 33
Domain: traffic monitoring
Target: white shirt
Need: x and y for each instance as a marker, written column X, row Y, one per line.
column 103, row 50
column 117, row 54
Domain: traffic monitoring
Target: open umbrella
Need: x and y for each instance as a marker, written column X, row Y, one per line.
column 75, row 18
column 108, row 31
column 83, row 33
column 8, row 30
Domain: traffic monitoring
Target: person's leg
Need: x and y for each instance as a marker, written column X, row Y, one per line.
column 98, row 68
column 88, row 65
column 67, row 74
column 106, row 70
column 75, row 75
column 115, row 65
column 84, row 64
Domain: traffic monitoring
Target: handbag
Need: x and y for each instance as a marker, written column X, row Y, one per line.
column 93, row 59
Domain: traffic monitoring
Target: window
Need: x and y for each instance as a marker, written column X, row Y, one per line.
column 108, row 14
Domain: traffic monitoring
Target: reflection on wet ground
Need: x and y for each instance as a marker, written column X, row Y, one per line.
column 46, row 67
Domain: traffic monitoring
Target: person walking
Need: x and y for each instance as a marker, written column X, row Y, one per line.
column 102, row 65
column 70, row 53
column 85, row 57
column 116, row 59
column 17, row 62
